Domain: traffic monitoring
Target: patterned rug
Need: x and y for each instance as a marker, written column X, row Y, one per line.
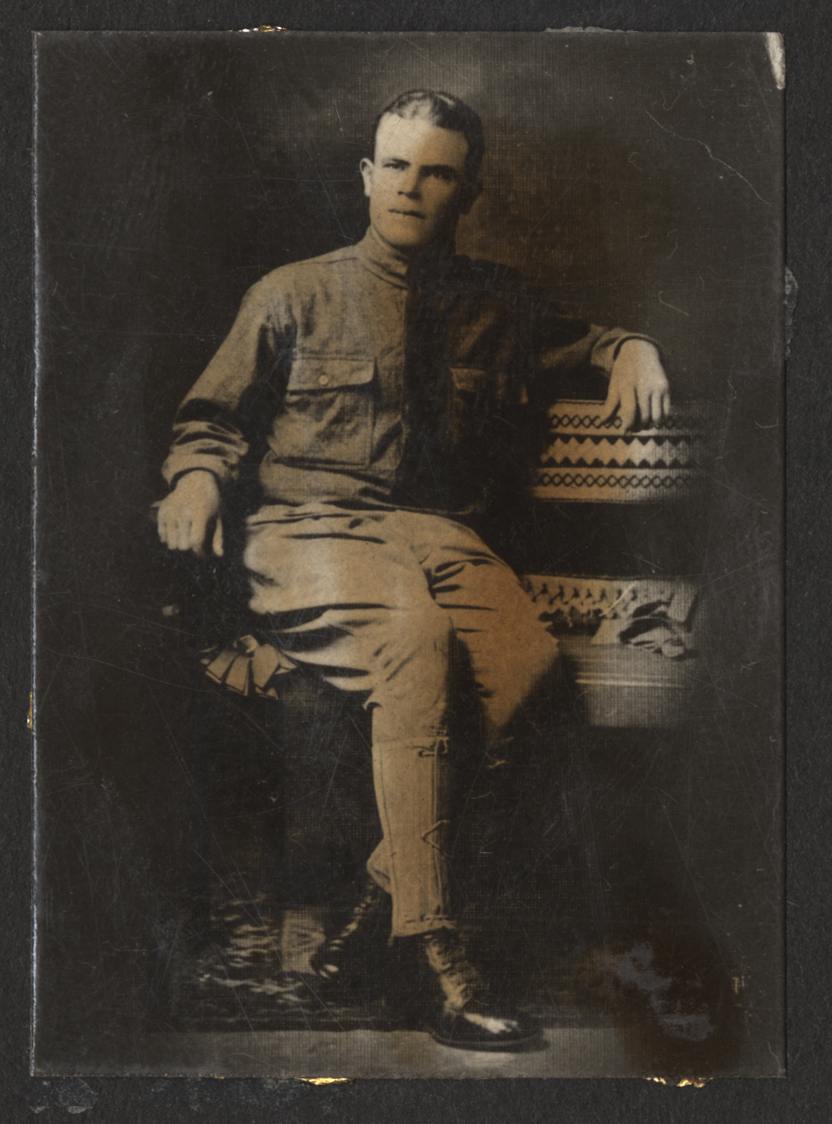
column 254, row 973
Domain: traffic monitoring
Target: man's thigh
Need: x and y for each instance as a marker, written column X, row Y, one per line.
column 387, row 571
column 341, row 592
column 319, row 557
column 510, row 648
column 480, row 591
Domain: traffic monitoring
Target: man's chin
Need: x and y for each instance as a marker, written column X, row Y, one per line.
column 408, row 241
column 404, row 244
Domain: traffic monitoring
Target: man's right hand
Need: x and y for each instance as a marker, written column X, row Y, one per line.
column 184, row 517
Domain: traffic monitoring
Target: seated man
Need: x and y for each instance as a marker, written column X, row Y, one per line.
column 382, row 392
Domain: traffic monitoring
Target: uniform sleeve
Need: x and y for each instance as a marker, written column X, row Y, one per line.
column 562, row 343
column 209, row 432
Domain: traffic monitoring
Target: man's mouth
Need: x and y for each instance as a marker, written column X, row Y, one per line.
column 408, row 214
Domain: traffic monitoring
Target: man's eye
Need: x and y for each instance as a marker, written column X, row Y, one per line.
column 445, row 175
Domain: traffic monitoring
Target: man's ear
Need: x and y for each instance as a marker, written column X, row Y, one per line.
column 468, row 195
column 367, row 168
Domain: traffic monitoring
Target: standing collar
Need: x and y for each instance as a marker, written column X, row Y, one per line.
column 399, row 270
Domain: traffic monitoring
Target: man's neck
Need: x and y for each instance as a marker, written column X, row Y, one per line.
column 399, row 265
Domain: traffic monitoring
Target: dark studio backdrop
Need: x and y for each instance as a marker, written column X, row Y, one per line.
column 638, row 178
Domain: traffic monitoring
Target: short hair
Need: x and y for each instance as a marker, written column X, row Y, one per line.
column 445, row 111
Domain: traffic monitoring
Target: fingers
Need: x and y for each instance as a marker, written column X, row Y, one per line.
column 628, row 411
column 179, row 535
column 183, row 536
column 167, row 528
column 638, row 386
column 644, row 406
column 180, row 529
column 190, row 537
column 610, row 406
column 637, row 408
column 656, row 408
column 624, row 404
column 217, row 541
column 644, row 398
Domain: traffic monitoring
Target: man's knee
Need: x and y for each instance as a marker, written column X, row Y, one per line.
column 544, row 652
column 411, row 674
column 414, row 646
column 428, row 627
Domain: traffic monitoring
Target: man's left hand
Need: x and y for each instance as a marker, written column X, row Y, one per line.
column 638, row 386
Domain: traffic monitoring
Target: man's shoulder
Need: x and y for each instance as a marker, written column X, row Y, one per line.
column 299, row 281
column 310, row 266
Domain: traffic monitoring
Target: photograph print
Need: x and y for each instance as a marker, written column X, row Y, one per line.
column 408, row 493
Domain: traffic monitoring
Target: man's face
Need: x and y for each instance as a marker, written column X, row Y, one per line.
column 416, row 183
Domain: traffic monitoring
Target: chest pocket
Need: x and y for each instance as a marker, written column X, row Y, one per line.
column 328, row 412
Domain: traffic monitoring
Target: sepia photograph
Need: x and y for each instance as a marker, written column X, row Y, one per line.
column 408, row 623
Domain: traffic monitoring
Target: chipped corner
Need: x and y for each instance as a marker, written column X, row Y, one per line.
column 682, row 1082
column 777, row 57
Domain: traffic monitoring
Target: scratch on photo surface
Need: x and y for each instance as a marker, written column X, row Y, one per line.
column 707, row 148
column 667, row 304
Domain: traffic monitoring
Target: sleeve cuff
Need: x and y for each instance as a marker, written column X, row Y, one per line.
column 174, row 480
column 635, row 336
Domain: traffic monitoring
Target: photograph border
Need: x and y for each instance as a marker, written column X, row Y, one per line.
column 807, row 106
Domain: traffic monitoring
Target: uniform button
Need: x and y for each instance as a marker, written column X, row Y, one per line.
column 323, row 380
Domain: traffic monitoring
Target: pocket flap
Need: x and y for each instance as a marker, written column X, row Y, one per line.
column 323, row 372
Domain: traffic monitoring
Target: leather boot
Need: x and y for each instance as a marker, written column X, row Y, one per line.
column 370, row 914
column 467, row 1016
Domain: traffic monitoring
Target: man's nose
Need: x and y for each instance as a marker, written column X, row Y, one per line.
column 411, row 184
